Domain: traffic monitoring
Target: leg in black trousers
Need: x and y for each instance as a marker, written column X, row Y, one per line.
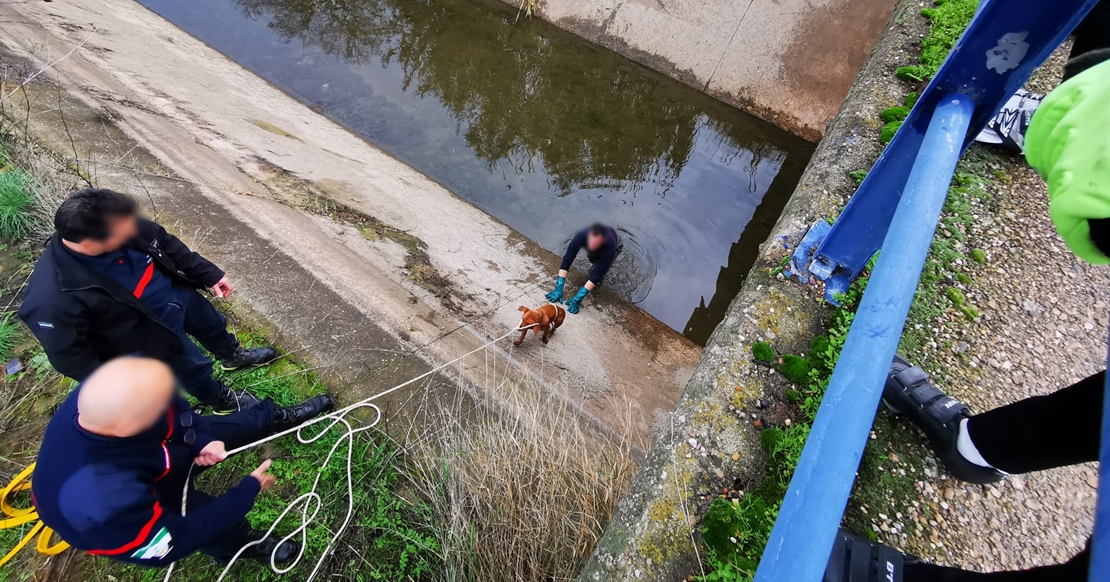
column 235, row 430
column 1043, row 432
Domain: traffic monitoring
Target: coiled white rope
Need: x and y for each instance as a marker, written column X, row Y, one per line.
column 310, row 503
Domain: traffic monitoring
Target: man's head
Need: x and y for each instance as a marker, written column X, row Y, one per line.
column 596, row 237
column 125, row 396
column 95, row 221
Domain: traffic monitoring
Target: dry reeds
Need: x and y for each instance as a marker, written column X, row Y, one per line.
column 521, row 490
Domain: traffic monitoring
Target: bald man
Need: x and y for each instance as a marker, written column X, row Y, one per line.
column 116, row 457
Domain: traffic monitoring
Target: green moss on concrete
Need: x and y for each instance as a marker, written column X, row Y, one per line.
column 795, row 368
column 970, row 312
column 979, row 256
column 763, row 352
column 956, row 296
column 948, row 19
column 858, row 176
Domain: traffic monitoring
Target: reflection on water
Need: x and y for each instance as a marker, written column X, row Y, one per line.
column 541, row 129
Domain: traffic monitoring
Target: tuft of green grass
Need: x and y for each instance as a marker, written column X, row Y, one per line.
column 9, row 335
column 15, row 206
column 979, row 256
column 858, row 176
column 763, row 352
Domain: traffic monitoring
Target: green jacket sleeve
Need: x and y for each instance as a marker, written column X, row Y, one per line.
column 1068, row 143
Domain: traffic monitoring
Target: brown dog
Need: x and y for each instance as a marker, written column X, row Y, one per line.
column 546, row 319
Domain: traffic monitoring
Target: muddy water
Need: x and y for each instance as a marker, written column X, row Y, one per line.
column 542, row 130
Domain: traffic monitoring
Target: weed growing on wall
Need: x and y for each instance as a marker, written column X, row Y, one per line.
column 735, row 532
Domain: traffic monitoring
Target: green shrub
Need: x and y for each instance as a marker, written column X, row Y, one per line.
column 763, row 352
column 979, row 256
column 795, row 368
column 15, row 206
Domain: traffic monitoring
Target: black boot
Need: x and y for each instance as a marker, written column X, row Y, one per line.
column 291, row 416
column 248, row 357
column 909, row 392
column 286, row 552
column 230, row 401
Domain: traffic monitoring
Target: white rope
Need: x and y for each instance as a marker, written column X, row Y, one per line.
column 310, row 503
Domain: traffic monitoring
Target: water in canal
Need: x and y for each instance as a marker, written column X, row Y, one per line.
column 541, row 129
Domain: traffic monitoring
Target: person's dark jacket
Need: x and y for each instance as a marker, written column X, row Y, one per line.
column 121, row 497
column 83, row 318
column 601, row 259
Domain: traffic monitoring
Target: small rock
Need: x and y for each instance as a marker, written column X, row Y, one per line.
column 949, row 493
column 787, row 423
column 757, row 424
column 735, row 456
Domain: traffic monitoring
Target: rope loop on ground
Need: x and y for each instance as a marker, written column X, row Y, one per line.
column 310, row 503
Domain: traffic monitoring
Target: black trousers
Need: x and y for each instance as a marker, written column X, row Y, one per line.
column 235, row 430
column 190, row 314
column 1044, row 432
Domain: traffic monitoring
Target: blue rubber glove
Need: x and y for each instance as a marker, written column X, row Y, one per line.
column 576, row 301
column 556, row 295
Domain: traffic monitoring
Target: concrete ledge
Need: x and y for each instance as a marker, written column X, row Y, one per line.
column 654, row 532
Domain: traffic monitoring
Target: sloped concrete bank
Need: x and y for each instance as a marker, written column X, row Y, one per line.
column 257, row 180
column 790, row 62
column 711, row 441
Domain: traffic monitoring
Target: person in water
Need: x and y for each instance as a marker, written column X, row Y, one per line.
column 602, row 247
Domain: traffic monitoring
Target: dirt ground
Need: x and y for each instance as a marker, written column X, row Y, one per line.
column 1043, row 327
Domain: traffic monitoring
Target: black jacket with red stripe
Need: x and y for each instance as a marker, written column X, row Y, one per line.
column 84, row 318
column 121, row 497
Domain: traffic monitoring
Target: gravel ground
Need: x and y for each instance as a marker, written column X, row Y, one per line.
column 1043, row 327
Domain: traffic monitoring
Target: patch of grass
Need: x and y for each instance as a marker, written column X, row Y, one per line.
column 9, row 335
column 763, row 352
column 16, row 204
column 857, row 176
column 521, row 493
column 391, row 537
column 948, row 19
column 979, row 256
column 945, row 260
column 735, row 533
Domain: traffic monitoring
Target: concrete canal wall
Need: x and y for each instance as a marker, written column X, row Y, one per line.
column 790, row 62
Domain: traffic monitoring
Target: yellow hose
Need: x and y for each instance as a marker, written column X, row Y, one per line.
column 16, row 517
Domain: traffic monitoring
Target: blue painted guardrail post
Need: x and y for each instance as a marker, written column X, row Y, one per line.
column 805, row 530
column 1099, row 569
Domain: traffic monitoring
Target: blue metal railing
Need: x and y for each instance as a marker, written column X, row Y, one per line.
column 899, row 204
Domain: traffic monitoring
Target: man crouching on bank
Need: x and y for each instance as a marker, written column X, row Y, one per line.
column 116, row 457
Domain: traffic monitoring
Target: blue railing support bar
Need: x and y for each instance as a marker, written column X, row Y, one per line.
column 1099, row 570
column 994, row 57
column 805, row 530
